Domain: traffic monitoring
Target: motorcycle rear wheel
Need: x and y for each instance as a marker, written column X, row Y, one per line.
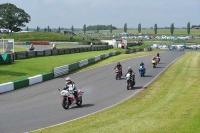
column 141, row 74
column 79, row 102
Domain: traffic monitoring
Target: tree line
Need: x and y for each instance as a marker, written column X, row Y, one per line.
column 20, row 18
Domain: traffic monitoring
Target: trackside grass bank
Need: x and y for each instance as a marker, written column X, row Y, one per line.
column 171, row 104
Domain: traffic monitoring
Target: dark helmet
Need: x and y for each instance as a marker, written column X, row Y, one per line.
column 118, row 64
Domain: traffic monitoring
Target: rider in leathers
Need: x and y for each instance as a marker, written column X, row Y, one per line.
column 119, row 66
column 70, row 82
column 142, row 64
column 132, row 73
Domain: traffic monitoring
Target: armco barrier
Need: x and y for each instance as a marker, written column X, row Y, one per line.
column 128, row 51
column 67, row 51
column 6, row 87
column 20, row 83
column 40, row 53
column 72, row 50
column 54, row 52
column 31, row 54
column 61, row 51
column 47, row 52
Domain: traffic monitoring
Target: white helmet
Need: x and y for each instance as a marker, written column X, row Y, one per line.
column 129, row 68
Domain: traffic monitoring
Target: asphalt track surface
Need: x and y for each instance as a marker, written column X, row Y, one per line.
column 39, row 105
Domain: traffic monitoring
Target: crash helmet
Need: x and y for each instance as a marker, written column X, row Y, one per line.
column 118, row 64
column 68, row 80
column 129, row 68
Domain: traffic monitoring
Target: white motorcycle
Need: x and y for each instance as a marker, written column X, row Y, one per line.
column 68, row 98
column 130, row 81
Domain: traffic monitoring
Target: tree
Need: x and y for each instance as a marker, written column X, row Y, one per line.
column 125, row 27
column 19, row 17
column 45, row 29
column 72, row 28
column 139, row 28
column 110, row 28
column 97, row 28
column 27, row 29
column 172, row 28
column 38, row 29
column 48, row 29
column 155, row 28
column 58, row 29
column 188, row 27
column 84, row 28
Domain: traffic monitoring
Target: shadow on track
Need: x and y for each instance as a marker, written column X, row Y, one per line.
column 148, row 76
column 137, row 87
column 82, row 106
column 158, row 67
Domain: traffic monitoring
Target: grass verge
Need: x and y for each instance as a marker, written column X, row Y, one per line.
column 171, row 104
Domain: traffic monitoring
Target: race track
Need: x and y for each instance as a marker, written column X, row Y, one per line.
column 39, row 105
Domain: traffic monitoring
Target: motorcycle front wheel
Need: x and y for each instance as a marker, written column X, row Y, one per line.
column 116, row 77
column 65, row 103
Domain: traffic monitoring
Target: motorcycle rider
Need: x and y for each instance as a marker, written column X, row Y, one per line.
column 119, row 66
column 158, row 55
column 154, row 58
column 31, row 48
column 131, row 72
column 142, row 64
column 70, row 82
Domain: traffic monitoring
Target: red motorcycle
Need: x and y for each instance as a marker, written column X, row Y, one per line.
column 68, row 98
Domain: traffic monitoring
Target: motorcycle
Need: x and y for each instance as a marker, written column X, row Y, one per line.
column 141, row 71
column 154, row 63
column 130, row 81
column 68, row 98
column 118, row 73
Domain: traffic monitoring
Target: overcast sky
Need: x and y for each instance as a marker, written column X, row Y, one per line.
column 65, row 13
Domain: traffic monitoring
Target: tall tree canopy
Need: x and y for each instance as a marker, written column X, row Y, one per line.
column 188, row 27
column 84, row 28
column 111, row 28
column 172, row 28
column 125, row 27
column 13, row 18
column 139, row 27
column 155, row 28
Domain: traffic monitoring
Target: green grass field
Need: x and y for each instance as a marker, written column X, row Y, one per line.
column 171, row 104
